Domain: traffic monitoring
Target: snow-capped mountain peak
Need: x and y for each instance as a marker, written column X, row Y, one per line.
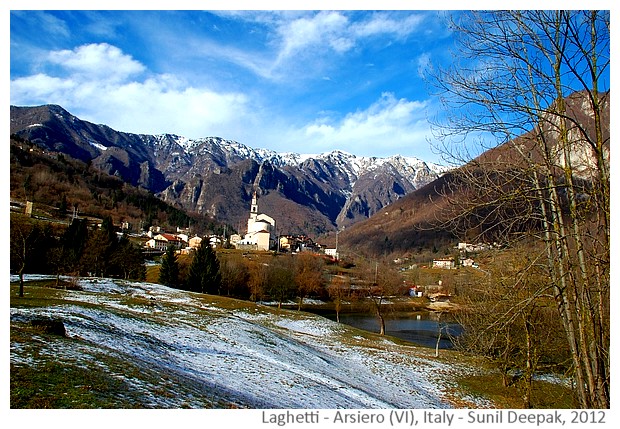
column 217, row 175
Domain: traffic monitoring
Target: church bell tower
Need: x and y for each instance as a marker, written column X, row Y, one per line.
column 254, row 207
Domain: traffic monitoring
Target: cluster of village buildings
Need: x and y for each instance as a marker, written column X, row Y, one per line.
column 260, row 235
column 464, row 250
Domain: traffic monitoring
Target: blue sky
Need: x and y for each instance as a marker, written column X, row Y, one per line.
column 299, row 81
column 302, row 81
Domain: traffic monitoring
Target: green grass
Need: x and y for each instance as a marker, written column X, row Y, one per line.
column 37, row 380
column 49, row 383
column 545, row 395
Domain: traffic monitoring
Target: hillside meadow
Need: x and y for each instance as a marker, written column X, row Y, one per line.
column 142, row 345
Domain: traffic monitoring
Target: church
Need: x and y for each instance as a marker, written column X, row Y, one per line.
column 259, row 230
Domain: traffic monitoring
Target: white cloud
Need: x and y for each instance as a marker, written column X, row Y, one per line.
column 97, row 61
column 388, row 126
column 99, row 83
column 329, row 31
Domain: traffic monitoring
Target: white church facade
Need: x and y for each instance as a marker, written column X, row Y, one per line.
column 260, row 227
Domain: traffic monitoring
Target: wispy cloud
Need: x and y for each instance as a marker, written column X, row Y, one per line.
column 298, row 39
column 385, row 23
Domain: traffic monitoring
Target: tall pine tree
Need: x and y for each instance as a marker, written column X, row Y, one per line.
column 204, row 271
column 169, row 271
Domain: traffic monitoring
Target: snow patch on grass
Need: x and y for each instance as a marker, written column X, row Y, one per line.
column 256, row 358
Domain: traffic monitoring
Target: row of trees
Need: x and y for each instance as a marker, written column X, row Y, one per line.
column 281, row 278
column 46, row 248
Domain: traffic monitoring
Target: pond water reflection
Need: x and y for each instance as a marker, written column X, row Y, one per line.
column 419, row 328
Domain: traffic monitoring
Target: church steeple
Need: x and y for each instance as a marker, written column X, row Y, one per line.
column 254, row 207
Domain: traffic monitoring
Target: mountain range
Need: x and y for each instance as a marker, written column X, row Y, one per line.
column 309, row 194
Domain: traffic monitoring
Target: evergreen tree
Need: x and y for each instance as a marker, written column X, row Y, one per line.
column 73, row 242
column 204, row 271
column 99, row 250
column 169, row 271
column 127, row 261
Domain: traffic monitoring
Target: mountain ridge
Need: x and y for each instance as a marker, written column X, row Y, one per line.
column 424, row 218
column 331, row 189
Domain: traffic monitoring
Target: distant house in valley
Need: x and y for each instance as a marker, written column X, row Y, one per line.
column 299, row 243
column 333, row 252
column 194, row 242
column 155, row 244
column 163, row 240
column 446, row 263
column 468, row 262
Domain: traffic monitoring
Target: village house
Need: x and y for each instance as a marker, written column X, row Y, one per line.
column 153, row 231
column 234, row 239
column 194, row 242
column 473, row 248
column 298, row 243
column 446, row 263
column 163, row 240
column 333, row 252
column 286, row 242
column 468, row 262
column 215, row 241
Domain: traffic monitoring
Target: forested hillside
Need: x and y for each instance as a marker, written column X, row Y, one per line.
column 59, row 185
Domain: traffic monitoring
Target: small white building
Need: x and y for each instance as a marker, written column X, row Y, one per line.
column 468, row 262
column 446, row 263
column 332, row 252
column 215, row 241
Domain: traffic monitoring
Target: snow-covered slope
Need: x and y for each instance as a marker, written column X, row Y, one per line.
column 197, row 351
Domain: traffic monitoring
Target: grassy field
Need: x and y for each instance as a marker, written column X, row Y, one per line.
column 54, row 371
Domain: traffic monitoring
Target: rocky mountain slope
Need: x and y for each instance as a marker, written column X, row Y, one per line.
column 424, row 217
column 304, row 193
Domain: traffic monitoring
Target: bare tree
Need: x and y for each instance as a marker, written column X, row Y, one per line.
column 383, row 283
column 532, row 87
column 338, row 289
column 308, row 275
column 235, row 275
column 511, row 319
column 25, row 235
column 280, row 279
column 257, row 281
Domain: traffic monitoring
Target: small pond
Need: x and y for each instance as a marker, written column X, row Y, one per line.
column 421, row 328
